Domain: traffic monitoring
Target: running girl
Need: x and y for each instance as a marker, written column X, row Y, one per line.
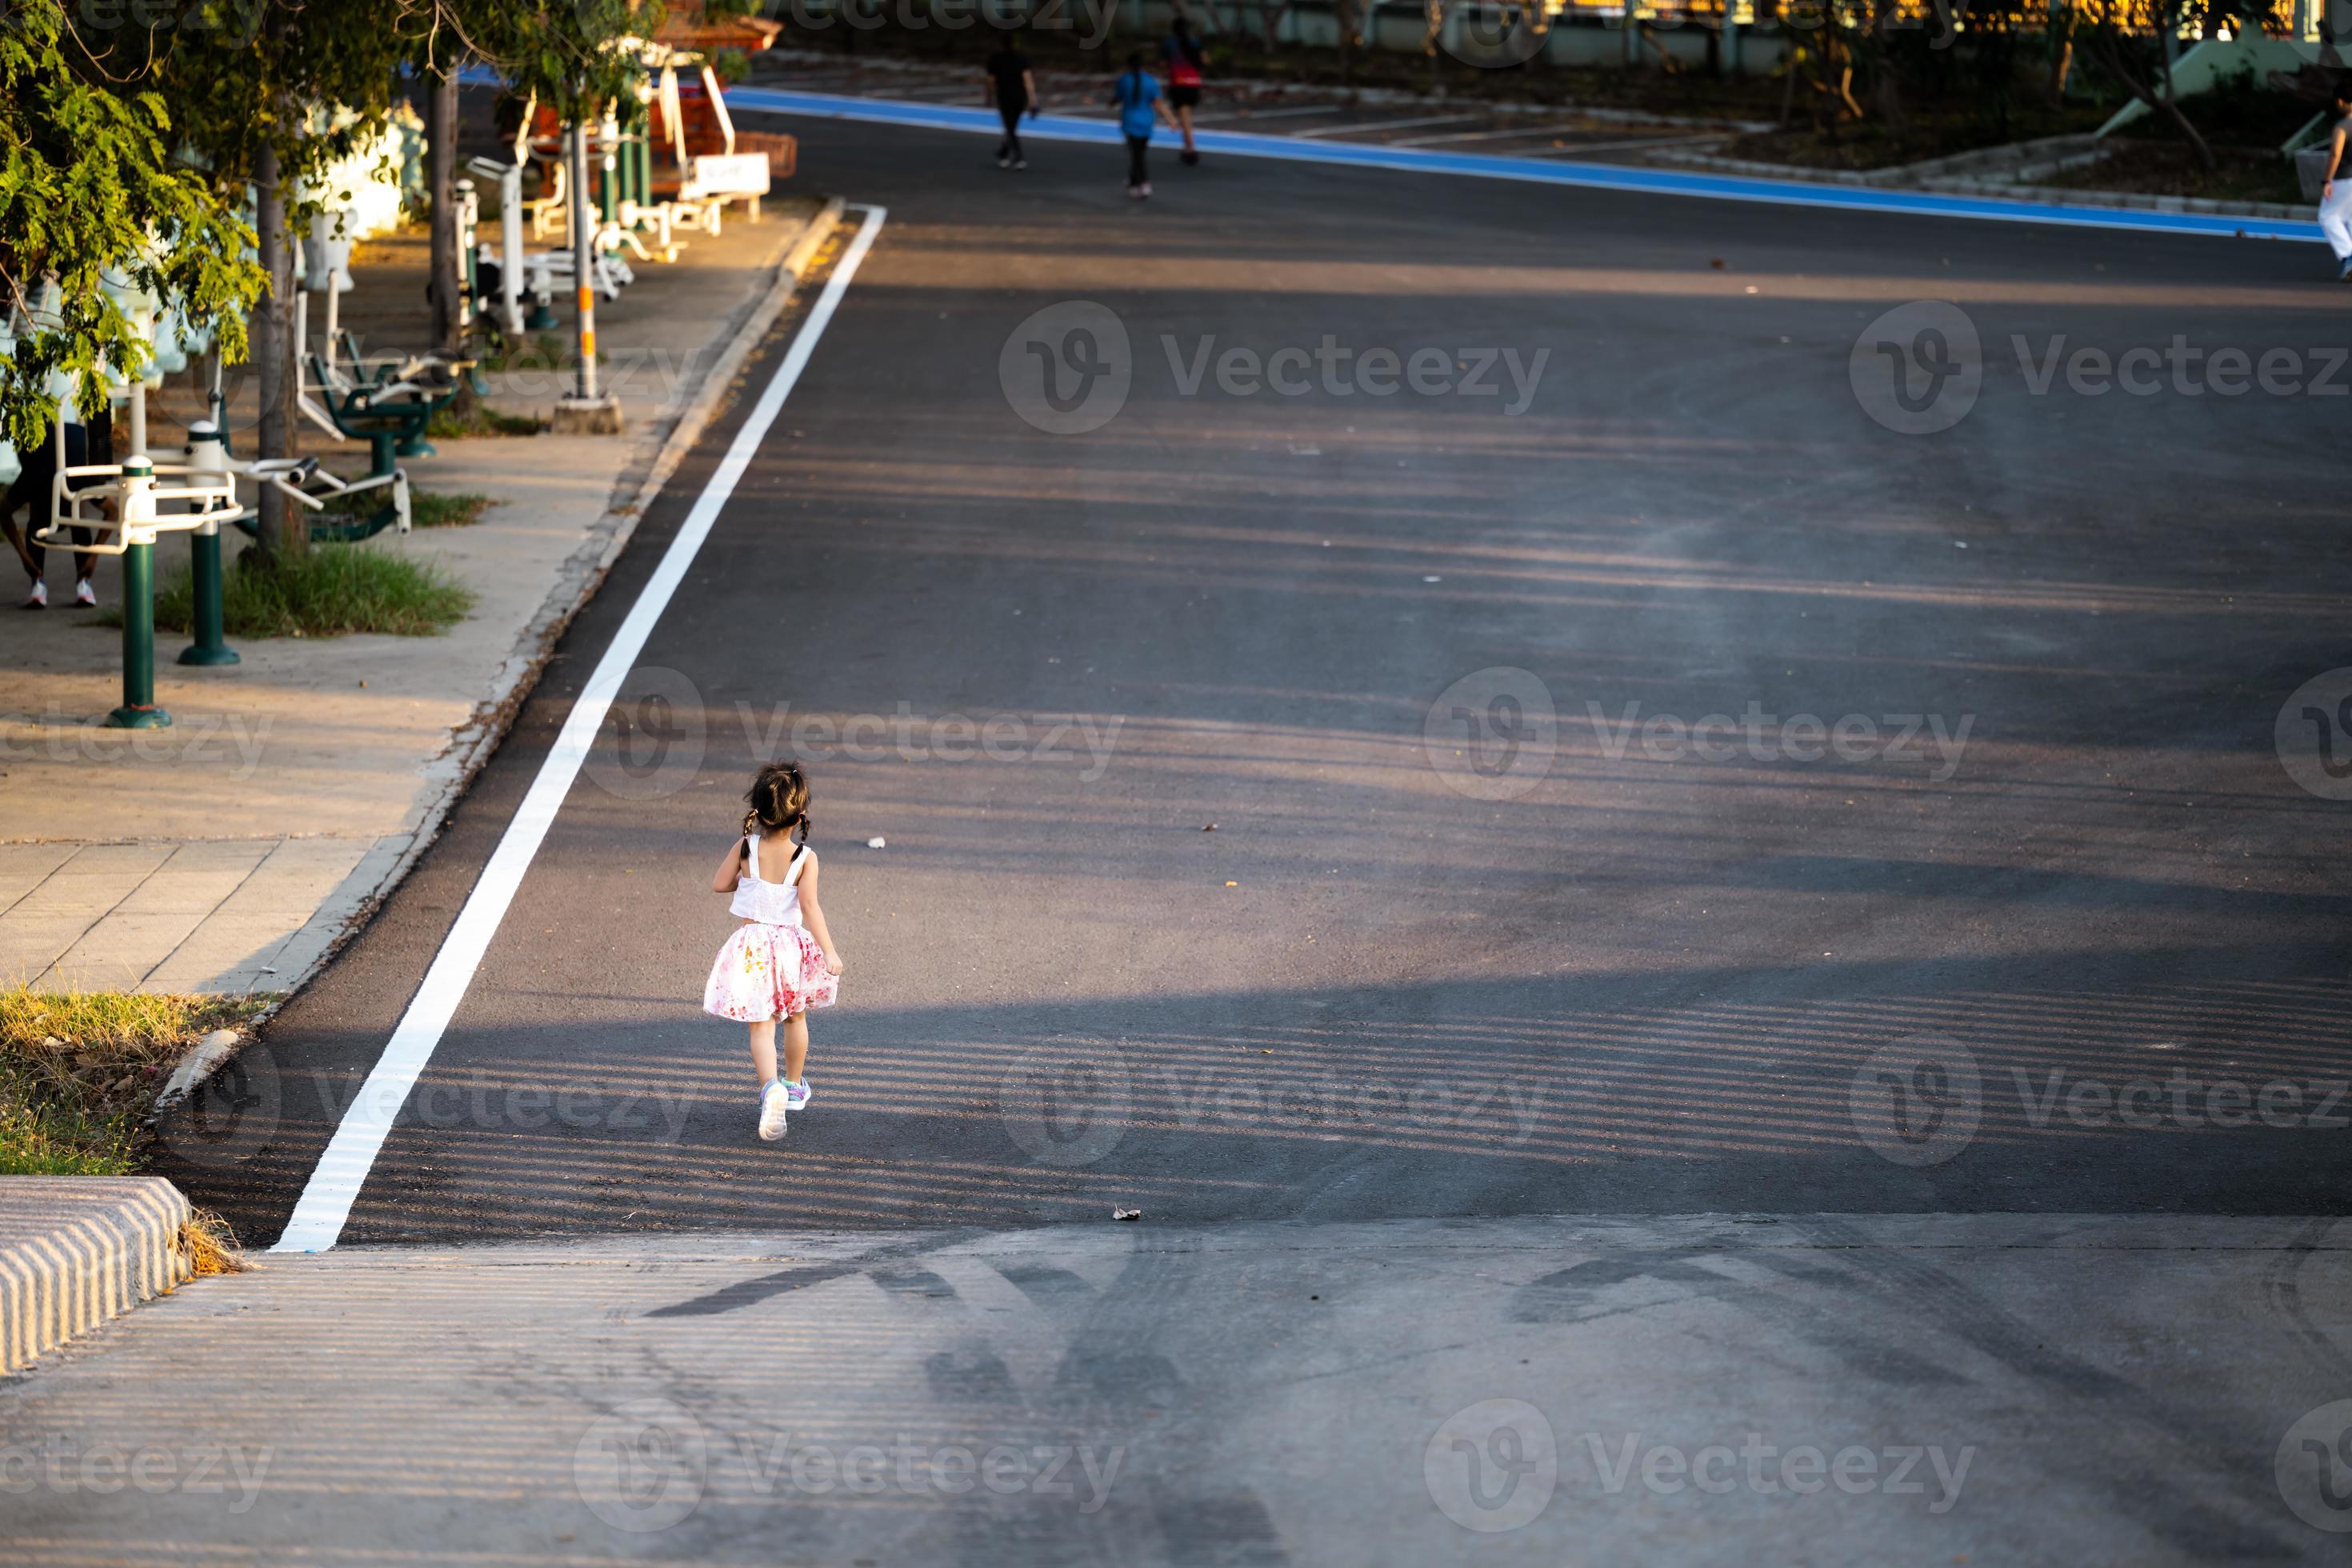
column 780, row 962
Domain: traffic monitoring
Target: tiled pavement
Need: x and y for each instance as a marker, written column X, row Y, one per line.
column 209, row 915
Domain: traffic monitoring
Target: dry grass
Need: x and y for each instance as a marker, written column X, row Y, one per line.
column 79, row 1072
column 211, row 1245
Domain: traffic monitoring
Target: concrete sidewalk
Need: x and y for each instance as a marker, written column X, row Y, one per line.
column 1823, row 1389
column 229, row 852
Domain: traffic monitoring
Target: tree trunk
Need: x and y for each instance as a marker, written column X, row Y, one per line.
column 2111, row 54
column 448, row 277
column 282, row 536
column 1888, row 90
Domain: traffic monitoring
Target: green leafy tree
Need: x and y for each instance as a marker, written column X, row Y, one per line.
column 91, row 185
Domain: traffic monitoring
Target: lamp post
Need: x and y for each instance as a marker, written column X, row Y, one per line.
column 585, row 412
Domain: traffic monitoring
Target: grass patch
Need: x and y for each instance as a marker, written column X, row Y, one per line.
column 480, row 420
column 2168, row 168
column 331, row 590
column 425, row 509
column 546, row 350
column 79, row 1072
column 1925, row 134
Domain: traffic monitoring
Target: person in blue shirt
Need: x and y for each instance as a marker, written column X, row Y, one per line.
column 1141, row 106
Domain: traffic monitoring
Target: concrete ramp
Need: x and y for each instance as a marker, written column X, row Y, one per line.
column 1832, row 1389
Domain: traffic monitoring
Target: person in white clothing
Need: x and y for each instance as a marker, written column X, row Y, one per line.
column 2336, row 194
column 780, row 962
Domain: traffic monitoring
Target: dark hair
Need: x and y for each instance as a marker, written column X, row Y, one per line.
column 1180, row 27
column 779, row 797
column 1134, row 60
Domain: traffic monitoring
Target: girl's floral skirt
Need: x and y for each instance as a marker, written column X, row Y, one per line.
column 768, row 971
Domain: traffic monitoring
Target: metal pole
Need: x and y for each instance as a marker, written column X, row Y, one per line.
column 204, row 559
column 469, row 211
column 584, row 262
column 510, row 249
column 138, row 711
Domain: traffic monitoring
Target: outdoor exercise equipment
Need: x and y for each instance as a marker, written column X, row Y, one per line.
column 326, row 269
column 127, row 506
column 509, row 308
column 303, row 483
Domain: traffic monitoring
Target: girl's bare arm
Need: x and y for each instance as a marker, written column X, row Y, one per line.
column 814, row 913
column 730, row 870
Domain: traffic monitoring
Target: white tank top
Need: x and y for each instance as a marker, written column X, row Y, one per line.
column 770, row 903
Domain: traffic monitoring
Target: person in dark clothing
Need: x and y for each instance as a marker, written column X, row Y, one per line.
column 1014, row 88
column 1183, row 53
column 30, row 490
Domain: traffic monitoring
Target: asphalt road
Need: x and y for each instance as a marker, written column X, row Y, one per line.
column 1664, row 976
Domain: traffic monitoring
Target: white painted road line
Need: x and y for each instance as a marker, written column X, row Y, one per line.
column 1503, row 133
column 1641, row 146
column 1267, row 113
column 326, row 1201
column 1385, row 125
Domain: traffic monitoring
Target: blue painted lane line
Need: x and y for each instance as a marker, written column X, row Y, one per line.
column 1547, row 171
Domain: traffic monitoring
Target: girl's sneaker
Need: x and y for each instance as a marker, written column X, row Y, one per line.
column 85, row 596
column 797, row 1094
column 774, row 1101
column 37, row 596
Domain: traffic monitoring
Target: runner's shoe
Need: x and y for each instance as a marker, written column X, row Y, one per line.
column 38, row 599
column 85, row 595
column 774, row 1102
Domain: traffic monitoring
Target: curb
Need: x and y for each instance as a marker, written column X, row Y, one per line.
column 1964, row 185
column 76, row 1251
column 382, row 868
